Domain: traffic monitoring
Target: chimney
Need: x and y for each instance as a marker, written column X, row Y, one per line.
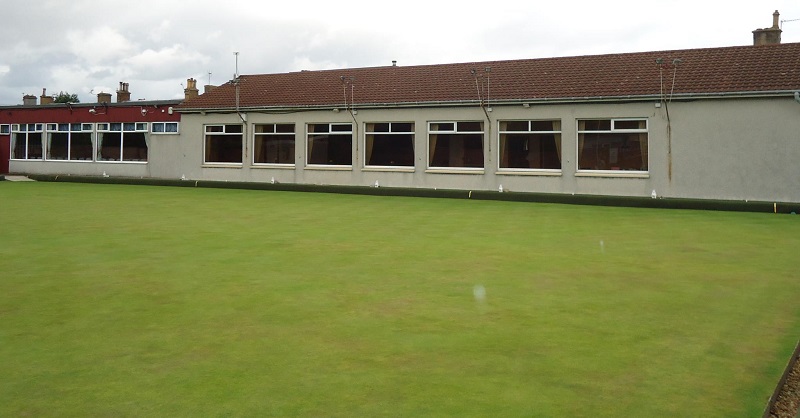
column 103, row 97
column 768, row 36
column 207, row 88
column 29, row 100
column 191, row 91
column 45, row 99
column 123, row 95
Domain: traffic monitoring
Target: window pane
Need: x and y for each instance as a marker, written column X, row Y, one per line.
column 109, row 146
column 57, row 148
column 612, row 151
column 158, row 127
column 75, row 127
column 318, row 128
column 456, row 150
column 285, row 128
column 330, row 149
column 223, row 149
column 402, row 127
column 530, row 151
column 87, row 127
column 265, row 129
column 171, row 127
column 141, row 126
column 134, row 147
column 542, row 125
column 377, row 127
column 35, row 151
column 274, row 149
column 341, row 127
column 80, row 146
column 630, row 124
column 215, row 128
column 516, row 125
column 390, row 150
column 233, row 129
column 116, row 127
column 443, row 126
column 20, row 146
column 595, row 125
column 470, row 126
column 129, row 127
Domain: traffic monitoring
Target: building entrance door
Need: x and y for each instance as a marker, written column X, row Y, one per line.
column 5, row 153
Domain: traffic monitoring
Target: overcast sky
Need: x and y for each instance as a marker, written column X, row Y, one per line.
column 89, row 46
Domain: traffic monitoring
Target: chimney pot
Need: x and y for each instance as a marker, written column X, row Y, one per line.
column 191, row 91
column 29, row 100
column 45, row 99
column 123, row 95
column 768, row 36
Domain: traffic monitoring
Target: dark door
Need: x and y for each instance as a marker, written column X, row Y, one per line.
column 5, row 153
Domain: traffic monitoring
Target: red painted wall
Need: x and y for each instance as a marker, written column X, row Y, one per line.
column 80, row 113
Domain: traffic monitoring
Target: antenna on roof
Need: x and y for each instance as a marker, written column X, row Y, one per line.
column 236, row 61
column 209, row 77
column 788, row 20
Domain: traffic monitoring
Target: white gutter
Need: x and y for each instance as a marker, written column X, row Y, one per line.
column 500, row 102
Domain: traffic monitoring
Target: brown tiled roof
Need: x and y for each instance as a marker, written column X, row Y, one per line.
column 741, row 69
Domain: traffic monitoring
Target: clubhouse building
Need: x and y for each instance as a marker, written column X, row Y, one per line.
column 712, row 123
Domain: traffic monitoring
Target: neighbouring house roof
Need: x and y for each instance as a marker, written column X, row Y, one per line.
column 764, row 69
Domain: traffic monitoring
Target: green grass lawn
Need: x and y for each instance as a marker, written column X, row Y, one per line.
column 127, row 301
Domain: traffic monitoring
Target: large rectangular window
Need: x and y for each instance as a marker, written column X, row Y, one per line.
column 26, row 141
column 223, row 144
column 69, row 141
column 530, row 145
column 125, row 142
column 455, row 145
column 389, row 144
column 274, row 144
column 612, row 144
column 330, row 144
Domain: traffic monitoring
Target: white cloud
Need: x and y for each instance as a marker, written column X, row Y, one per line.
column 165, row 62
column 99, row 45
column 4, row 69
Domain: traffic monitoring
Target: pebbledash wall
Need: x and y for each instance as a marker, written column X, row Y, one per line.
column 734, row 148
column 729, row 149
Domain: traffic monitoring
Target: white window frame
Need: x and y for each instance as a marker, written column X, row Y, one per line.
column 613, row 129
column 5, row 129
column 70, row 129
column 455, row 130
column 224, row 132
column 164, row 125
column 530, row 122
column 292, row 135
column 122, row 128
column 19, row 128
column 330, row 131
column 390, row 132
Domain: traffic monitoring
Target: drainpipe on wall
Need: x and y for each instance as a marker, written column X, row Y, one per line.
column 797, row 96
